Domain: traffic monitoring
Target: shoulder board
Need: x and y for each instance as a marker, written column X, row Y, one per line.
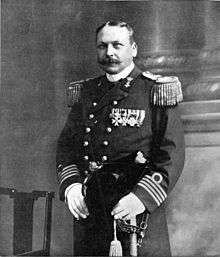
column 166, row 91
column 151, row 76
column 73, row 92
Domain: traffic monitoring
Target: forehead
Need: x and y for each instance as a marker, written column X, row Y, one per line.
column 113, row 33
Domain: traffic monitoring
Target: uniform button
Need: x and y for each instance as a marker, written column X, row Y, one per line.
column 91, row 116
column 109, row 130
column 105, row 143
column 115, row 102
column 95, row 121
column 94, row 104
column 86, row 157
column 86, row 172
column 85, row 143
column 88, row 130
column 104, row 158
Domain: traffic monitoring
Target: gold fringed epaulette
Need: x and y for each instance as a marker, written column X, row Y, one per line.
column 166, row 91
column 73, row 92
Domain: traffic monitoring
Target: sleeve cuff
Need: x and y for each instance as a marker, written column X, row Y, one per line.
column 66, row 177
column 150, row 192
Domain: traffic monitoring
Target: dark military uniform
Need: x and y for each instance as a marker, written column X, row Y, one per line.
column 109, row 122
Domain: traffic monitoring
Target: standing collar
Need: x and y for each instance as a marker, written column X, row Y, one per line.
column 121, row 75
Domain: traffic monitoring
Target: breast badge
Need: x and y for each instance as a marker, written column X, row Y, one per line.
column 127, row 117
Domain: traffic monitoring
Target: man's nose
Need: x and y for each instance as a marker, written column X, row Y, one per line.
column 109, row 50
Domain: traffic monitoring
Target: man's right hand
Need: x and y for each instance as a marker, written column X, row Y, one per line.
column 76, row 202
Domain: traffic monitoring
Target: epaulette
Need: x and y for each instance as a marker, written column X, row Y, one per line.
column 166, row 91
column 73, row 92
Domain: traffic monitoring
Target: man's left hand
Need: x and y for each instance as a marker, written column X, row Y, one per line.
column 129, row 206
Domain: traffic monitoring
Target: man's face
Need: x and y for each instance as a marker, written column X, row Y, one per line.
column 114, row 49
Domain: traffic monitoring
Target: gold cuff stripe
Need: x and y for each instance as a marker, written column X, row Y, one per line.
column 155, row 189
column 149, row 190
column 68, row 176
column 67, row 170
column 159, row 187
column 61, row 176
column 69, row 166
column 156, row 193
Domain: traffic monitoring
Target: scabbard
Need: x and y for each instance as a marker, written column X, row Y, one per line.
column 133, row 238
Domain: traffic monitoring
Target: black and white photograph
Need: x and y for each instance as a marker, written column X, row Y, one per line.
column 110, row 128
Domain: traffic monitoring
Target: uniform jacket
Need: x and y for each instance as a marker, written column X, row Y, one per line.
column 109, row 121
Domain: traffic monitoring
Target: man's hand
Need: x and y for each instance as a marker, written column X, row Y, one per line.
column 76, row 202
column 129, row 206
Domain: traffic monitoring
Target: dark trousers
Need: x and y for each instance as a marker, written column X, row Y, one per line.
column 93, row 237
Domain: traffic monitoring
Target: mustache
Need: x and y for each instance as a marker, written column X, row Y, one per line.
column 107, row 61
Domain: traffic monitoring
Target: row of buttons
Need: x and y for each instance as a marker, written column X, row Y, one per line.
column 104, row 158
column 114, row 103
column 105, row 143
column 88, row 130
column 108, row 129
column 86, row 143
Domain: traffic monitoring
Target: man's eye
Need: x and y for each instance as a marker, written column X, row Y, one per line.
column 101, row 47
column 117, row 45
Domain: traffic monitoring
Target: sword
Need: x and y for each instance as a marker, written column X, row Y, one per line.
column 133, row 238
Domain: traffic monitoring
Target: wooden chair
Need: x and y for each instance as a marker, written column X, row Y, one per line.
column 23, row 221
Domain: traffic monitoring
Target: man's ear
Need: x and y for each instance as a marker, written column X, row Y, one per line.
column 134, row 49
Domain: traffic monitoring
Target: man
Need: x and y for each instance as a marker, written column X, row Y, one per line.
column 121, row 150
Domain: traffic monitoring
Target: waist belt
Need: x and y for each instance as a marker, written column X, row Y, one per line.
column 93, row 166
column 137, row 157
